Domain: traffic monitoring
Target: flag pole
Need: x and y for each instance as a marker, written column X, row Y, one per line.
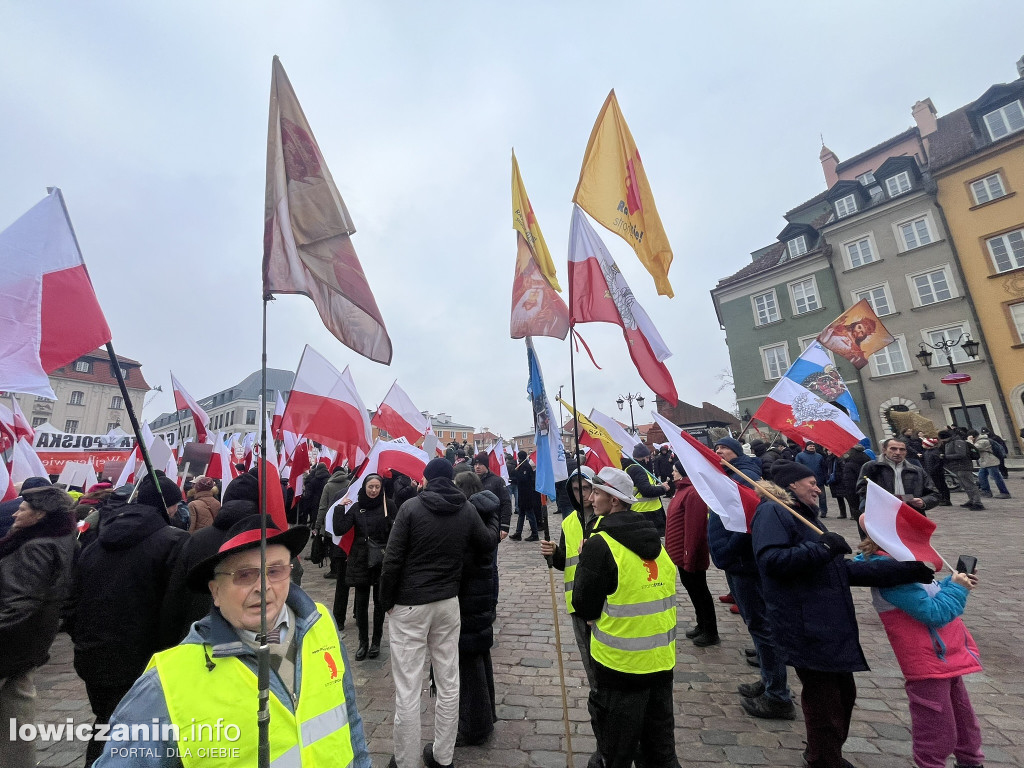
column 761, row 488
column 558, row 649
column 263, row 655
column 177, row 413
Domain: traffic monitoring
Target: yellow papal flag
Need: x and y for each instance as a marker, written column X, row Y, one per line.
column 596, row 438
column 525, row 223
column 613, row 188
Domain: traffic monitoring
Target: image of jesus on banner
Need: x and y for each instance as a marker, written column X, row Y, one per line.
column 856, row 334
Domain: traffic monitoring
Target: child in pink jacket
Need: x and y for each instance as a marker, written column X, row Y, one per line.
column 934, row 651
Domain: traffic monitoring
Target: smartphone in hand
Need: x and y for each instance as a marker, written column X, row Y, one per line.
column 967, row 564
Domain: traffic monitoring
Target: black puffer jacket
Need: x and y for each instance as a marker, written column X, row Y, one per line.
column 476, row 590
column 35, row 579
column 496, row 485
column 431, row 534
column 851, row 468
column 312, row 490
column 119, row 592
column 372, row 519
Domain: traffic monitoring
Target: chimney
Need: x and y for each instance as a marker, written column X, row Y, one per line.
column 829, row 161
column 924, row 116
column 1020, row 67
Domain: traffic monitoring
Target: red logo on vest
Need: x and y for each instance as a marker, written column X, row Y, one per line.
column 331, row 665
column 652, row 569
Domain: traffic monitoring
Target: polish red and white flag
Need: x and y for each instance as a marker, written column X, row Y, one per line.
column 300, row 465
column 802, row 416
column 25, row 462
column 496, row 460
column 397, row 416
column 221, row 467
column 49, row 313
column 183, row 401
column 21, row 426
column 269, row 479
column 7, row 492
column 325, row 406
column 898, row 528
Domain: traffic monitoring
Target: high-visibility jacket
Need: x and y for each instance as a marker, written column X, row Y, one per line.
column 315, row 734
column 646, row 504
column 572, row 536
column 636, row 631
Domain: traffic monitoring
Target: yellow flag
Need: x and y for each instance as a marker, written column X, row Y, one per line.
column 524, row 222
column 613, row 188
column 597, row 438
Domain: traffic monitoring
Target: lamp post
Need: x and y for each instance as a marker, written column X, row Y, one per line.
column 969, row 346
column 630, row 398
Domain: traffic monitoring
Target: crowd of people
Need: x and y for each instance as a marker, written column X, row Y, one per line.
column 160, row 589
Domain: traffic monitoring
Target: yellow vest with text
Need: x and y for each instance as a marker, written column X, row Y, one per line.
column 646, row 505
column 316, row 734
column 572, row 535
column 636, row 631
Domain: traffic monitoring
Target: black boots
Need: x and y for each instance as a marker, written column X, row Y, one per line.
column 361, row 651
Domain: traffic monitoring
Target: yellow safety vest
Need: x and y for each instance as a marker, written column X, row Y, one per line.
column 636, row 631
column 572, row 535
column 316, row 734
column 646, row 505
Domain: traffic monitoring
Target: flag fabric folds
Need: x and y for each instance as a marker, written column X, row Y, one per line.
column 856, row 334
column 25, row 462
column 220, row 466
column 732, row 502
column 269, row 474
column 617, row 432
column 21, row 426
column 325, row 406
column 42, row 276
column 613, row 188
column 814, row 370
column 604, row 451
column 537, row 309
column 307, row 245
column 898, row 528
column 802, row 416
column 275, row 421
column 183, row 401
column 397, row 416
column 496, row 461
column 8, row 431
column 598, row 293
column 551, row 466
column 7, row 492
column 300, row 464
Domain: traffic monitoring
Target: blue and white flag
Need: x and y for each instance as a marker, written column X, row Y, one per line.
column 814, row 370
column 551, row 466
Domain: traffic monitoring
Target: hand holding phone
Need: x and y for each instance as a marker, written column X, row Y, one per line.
column 967, row 564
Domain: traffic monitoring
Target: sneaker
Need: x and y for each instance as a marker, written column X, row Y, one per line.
column 704, row 639
column 516, row 537
column 428, row 758
column 751, row 690
column 1004, row 496
column 769, row 709
column 727, row 598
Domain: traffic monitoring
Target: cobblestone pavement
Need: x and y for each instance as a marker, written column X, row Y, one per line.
column 711, row 728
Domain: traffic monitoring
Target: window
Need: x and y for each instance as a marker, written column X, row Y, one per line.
column 77, row 398
column 797, row 246
column 878, row 297
column 936, row 336
column 860, row 252
column 898, row 184
column 71, row 426
column 776, row 360
column 116, row 402
column 804, row 295
column 112, row 425
column 915, row 233
column 1007, row 250
column 987, row 189
column 766, row 309
column 1005, row 120
column 1016, row 314
column 891, row 359
column 83, row 366
column 38, row 421
column 931, row 287
column 250, row 416
column 845, row 206
column 867, row 179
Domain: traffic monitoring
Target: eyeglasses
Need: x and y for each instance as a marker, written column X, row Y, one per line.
column 246, row 577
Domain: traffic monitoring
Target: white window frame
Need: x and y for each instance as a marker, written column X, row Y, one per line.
column 898, row 185
column 915, row 294
column 77, row 398
column 797, row 246
column 901, row 241
column 991, row 187
column 775, row 301
column 1014, row 255
column 82, row 366
column 71, row 426
column 846, row 206
column 847, row 257
column 815, row 297
column 805, row 341
column 866, row 179
column 901, row 346
column 886, row 291
column 38, row 421
column 1005, row 129
column 1017, row 318
column 764, row 360
column 116, row 402
column 950, row 332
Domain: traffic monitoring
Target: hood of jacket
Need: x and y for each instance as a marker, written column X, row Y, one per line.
column 633, row 531
column 131, row 524
column 485, row 502
column 233, row 511
column 442, row 497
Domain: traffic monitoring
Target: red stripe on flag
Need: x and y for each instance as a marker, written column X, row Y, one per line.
column 72, row 321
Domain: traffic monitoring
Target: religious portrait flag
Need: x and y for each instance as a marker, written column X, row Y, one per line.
column 856, row 334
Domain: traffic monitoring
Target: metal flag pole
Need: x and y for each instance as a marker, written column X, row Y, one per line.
column 263, row 655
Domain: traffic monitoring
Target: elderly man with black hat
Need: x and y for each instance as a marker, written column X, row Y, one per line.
column 647, row 487
column 806, row 582
column 206, row 687
column 625, row 584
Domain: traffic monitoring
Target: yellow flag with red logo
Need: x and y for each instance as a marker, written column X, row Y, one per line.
column 613, row 188
column 525, row 223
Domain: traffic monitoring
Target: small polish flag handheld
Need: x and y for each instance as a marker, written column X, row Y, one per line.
column 496, row 461
column 899, row 529
column 183, row 401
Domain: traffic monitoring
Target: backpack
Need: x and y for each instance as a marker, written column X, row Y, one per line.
column 182, row 518
column 997, row 450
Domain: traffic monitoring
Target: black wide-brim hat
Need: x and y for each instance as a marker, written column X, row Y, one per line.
column 243, row 535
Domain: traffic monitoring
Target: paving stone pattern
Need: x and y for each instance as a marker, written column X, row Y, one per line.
column 711, row 728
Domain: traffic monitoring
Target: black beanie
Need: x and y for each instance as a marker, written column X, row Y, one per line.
column 482, row 458
column 641, row 451
column 785, row 473
column 245, row 487
column 167, row 495
column 438, row 468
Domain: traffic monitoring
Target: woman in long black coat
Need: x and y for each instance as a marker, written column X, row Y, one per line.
column 372, row 516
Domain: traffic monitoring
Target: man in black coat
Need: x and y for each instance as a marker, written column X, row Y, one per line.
column 312, row 489
column 661, row 463
column 496, row 485
column 896, row 474
column 119, row 591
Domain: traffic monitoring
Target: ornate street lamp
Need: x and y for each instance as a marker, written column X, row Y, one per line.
column 630, row 397
column 946, row 346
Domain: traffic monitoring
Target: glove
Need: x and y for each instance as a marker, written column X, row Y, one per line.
column 920, row 572
column 835, row 544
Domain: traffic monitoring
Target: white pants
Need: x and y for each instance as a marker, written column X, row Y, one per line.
column 413, row 630
column 18, row 702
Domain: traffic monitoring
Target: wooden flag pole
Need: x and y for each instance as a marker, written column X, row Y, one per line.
column 558, row 648
column 763, row 489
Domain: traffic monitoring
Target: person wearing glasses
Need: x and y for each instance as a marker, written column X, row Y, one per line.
column 198, row 700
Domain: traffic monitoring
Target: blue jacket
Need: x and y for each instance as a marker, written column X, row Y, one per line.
column 145, row 702
column 748, row 465
column 816, row 463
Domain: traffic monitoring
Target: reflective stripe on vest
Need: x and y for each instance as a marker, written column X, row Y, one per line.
column 636, row 631
column 317, row 734
column 646, row 505
column 572, row 535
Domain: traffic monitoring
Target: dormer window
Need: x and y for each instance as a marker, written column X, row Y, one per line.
column 1005, row 120
column 797, row 246
column 846, row 206
column 898, row 184
column 867, row 179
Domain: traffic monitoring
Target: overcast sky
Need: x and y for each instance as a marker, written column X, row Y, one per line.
column 152, row 118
